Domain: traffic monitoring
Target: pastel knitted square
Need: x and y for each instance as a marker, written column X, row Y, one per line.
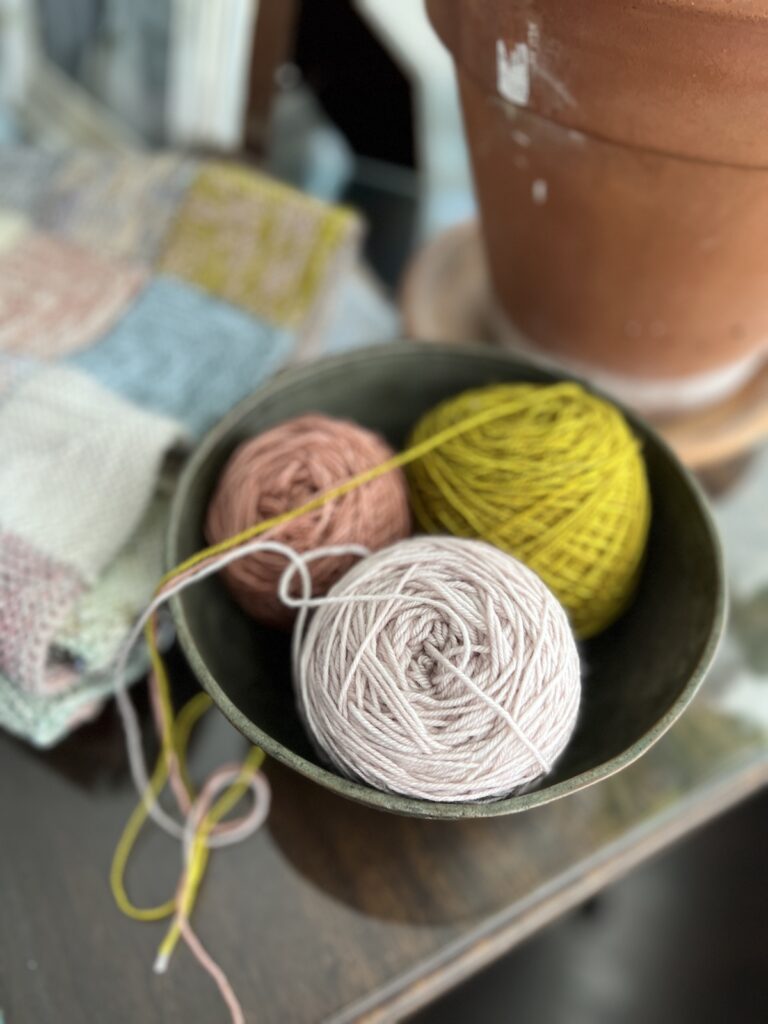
column 103, row 615
column 13, row 227
column 53, row 677
column 37, row 593
column 260, row 245
column 120, row 205
column 183, row 353
column 56, row 297
column 43, row 719
column 79, row 467
column 25, row 174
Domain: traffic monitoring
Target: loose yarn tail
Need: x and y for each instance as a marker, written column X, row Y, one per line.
column 209, row 831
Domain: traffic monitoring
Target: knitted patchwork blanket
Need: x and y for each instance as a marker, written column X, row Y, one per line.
column 140, row 298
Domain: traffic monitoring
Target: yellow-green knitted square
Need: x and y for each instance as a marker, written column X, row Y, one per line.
column 259, row 244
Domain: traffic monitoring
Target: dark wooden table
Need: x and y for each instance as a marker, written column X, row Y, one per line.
column 333, row 912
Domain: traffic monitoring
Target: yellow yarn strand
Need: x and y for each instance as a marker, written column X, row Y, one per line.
column 185, row 723
column 168, row 736
column 404, row 458
column 183, row 903
column 200, row 852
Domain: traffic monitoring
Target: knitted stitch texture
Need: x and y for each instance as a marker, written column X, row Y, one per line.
column 185, row 354
column 56, row 297
column 13, row 227
column 79, row 468
column 25, row 176
column 259, row 244
column 121, row 206
column 253, row 269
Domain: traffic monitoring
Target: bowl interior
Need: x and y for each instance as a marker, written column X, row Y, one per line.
column 638, row 676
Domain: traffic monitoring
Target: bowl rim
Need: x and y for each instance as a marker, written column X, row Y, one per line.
column 361, row 792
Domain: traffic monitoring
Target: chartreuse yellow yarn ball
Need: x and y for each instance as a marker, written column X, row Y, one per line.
column 555, row 477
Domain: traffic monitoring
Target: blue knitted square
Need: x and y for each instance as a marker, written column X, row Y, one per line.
column 182, row 353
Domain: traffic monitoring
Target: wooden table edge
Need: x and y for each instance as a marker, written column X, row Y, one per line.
column 495, row 937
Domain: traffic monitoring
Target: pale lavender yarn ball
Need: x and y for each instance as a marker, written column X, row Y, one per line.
column 440, row 668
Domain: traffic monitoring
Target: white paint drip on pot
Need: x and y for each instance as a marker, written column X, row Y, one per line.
column 561, row 90
column 513, row 72
column 516, row 66
column 539, row 191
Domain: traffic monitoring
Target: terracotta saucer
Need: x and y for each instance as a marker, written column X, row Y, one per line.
column 446, row 296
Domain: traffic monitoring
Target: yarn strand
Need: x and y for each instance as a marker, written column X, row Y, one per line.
column 185, row 722
column 404, row 458
column 210, row 831
column 196, row 850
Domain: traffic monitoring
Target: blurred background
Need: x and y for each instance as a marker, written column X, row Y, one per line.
column 338, row 99
column 352, row 105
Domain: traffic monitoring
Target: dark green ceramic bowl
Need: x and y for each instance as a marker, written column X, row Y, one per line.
column 640, row 674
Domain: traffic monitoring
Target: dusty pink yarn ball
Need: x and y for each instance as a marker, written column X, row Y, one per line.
column 286, row 467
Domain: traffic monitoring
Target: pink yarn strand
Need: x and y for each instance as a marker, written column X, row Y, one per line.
column 218, row 781
column 208, row 964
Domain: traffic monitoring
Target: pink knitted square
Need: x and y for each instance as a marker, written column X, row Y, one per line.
column 36, row 596
column 56, row 297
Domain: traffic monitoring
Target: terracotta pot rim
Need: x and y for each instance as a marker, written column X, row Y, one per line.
column 606, row 140
column 654, row 74
column 749, row 10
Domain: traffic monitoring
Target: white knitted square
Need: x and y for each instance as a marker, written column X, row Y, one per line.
column 79, row 467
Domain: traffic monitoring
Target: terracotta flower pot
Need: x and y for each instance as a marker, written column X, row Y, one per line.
column 620, row 154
